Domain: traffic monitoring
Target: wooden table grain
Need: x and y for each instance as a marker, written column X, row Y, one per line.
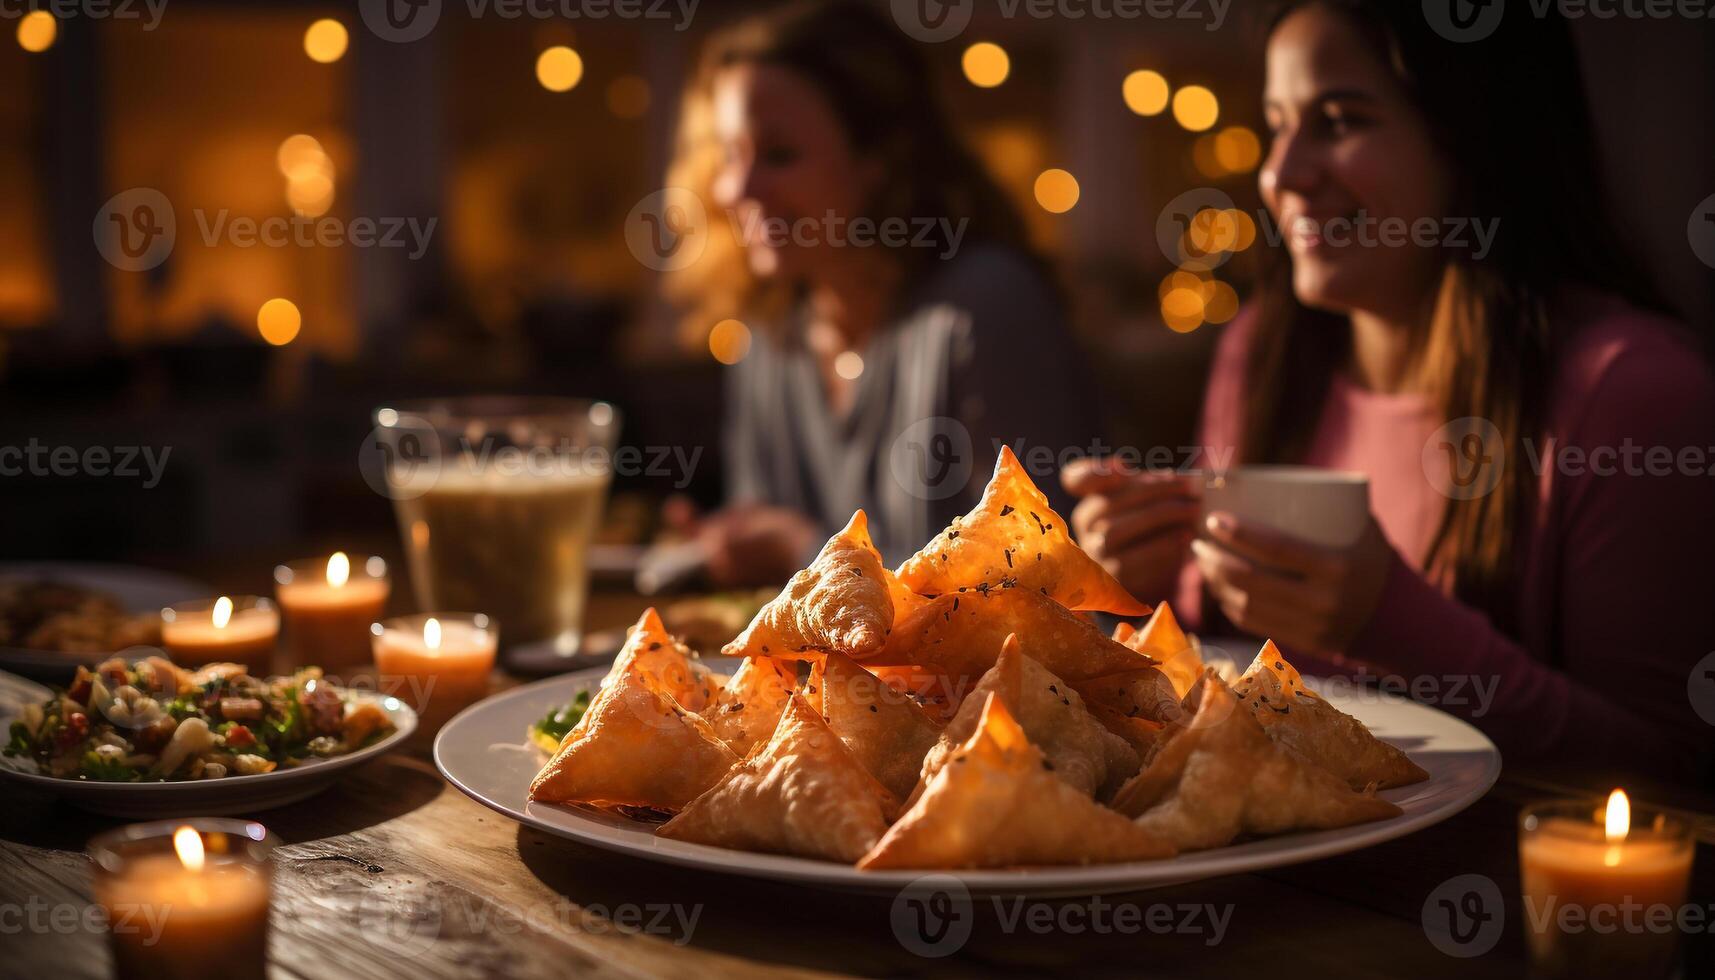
column 394, row 873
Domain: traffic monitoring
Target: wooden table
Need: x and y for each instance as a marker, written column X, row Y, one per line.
column 395, row 873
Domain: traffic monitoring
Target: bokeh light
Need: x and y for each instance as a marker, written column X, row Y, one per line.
column 1237, row 149
column 1196, row 108
column 1220, row 302
column 729, row 341
column 37, row 31
column 279, row 321
column 986, row 64
column 1182, row 309
column 849, row 365
column 628, row 97
column 1203, row 157
column 1056, row 191
column 559, row 69
column 1145, row 92
column 1211, row 231
column 1244, row 229
column 326, row 41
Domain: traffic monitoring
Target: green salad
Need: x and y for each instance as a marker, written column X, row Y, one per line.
column 152, row 720
column 548, row 730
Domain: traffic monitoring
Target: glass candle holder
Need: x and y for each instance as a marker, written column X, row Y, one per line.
column 186, row 898
column 438, row 662
column 1603, row 887
column 231, row 629
column 327, row 605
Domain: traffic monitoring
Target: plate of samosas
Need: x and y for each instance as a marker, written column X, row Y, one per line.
column 960, row 714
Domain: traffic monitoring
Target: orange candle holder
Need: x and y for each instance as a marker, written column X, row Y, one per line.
column 328, row 605
column 1604, row 887
column 241, row 629
column 438, row 662
column 186, row 898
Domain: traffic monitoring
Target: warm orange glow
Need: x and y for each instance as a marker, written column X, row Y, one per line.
column 1180, row 279
column 432, row 633
column 1244, row 229
column 301, row 155
column 1056, row 191
column 339, row 569
column 279, row 321
column 37, row 31
column 1237, row 149
column 1182, row 309
column 1211, row 231
column 1617, row 823
column 221, row 615
column 188, row 844
column 986, row 64
column 729, row 341
column 1220, row 302
column 559, row 69
column 326, row 41
column 628, row 97
column 1196, row 108
column 1145, row 92
column 311, row 196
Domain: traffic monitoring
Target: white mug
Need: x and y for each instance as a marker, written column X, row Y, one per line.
column 1325, row 507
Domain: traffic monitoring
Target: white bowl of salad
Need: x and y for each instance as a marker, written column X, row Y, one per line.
column 148, row 738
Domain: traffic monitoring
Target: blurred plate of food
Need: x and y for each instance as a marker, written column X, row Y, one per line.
column 147, row 739
column 56, row 615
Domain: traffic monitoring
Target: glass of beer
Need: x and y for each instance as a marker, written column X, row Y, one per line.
column 497, row 500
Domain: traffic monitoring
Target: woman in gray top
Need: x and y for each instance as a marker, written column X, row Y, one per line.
column 901, row 328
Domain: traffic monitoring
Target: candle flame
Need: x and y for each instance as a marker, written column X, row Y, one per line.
column 188, row 843
column 432, row 633
column 1619, row 820
column 222, row 612
column 339, row 569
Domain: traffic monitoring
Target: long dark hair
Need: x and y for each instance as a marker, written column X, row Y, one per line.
column 880, row 88
column 1508, row 113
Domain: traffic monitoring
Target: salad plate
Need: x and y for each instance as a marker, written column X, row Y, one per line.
column 489, row 753
column 236, row 794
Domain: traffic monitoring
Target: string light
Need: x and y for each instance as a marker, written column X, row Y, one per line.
column 1145, row 92
column 1056, row 191
column 1196, row 108
column 986, row 64
column 326, row 41
column 559, row 68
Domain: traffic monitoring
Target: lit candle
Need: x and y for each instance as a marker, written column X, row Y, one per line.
column 439, row 663
column 328, row 607
column 238, row 630
column 186, row 899
column 1603, row 887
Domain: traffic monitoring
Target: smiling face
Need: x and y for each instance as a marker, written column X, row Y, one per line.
column 785, row 157
column 1350, row 155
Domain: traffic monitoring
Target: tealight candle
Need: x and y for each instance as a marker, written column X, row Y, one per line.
column 328, row 606
column 1603, row 887
column 240, row 630
column 440, row 662
column 186, row 898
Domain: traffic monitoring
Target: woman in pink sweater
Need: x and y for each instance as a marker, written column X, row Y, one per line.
column 1540, row 450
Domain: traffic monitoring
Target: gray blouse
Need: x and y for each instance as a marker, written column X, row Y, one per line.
column 979, row 355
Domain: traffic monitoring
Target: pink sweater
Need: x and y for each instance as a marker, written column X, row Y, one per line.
column 1614, row 590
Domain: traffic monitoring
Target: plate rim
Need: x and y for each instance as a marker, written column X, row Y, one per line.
column 1064, row 879
column 405, row 723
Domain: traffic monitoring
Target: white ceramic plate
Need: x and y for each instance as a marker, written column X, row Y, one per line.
column 483, row 751
column 232, row 795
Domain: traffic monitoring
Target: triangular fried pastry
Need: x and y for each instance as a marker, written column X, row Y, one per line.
column 801, row 792
column 1143, row 693
column 884, row 727
column 747, row 709
column 928, row 687
column 958, row 636
column 905, row 601
column 634, row 746
column 1163, row 641
column 1303, row 721
column 840, row 603
column 996, row 805
column 1221, row 776
column 1079, row 750
column 1012, row 538
column 665, row 661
